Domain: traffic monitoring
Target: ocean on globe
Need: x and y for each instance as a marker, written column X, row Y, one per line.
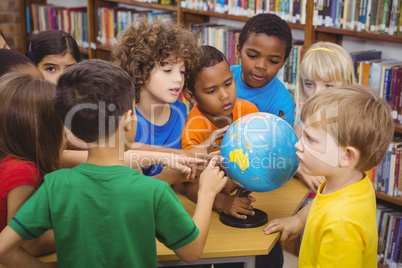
column 259, row 152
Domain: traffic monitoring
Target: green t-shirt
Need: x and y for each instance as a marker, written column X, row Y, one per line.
column 105, row 216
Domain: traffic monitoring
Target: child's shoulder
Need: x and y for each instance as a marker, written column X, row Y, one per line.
column 235, row 69
column 12, row 164
column 246, row 105
column 178, row 106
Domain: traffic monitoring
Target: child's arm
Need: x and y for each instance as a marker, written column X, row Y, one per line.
column 212, row 181
column 13, row 255
column 229, row 204
column 15, row 199
column 290, row 227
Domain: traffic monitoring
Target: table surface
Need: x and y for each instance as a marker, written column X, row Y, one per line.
column 226, row 241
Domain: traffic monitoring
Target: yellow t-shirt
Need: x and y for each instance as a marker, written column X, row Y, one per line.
column 341, row 228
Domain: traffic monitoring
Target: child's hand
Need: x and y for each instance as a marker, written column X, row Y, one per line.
column 212, row 179
column 312, row 182
column 290, row 228
column 209, row 144
column 236, row 206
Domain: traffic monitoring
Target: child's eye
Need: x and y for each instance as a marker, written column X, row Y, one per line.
column 251, row 56
column 308, row 84
column 183, row 72
column 167, row 71
column 274, row 62
column 211, row 91
column 228, row 84
column 51, row 69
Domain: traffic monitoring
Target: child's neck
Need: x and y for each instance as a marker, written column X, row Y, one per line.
column 105, row 155
column 156, row 113
column 344, row 178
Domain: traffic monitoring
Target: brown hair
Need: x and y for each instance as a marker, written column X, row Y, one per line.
column 143, row 46
column 354, row 116
column 30, row 127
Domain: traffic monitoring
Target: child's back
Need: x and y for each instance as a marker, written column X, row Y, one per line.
column 106, row 216
column 264, row 45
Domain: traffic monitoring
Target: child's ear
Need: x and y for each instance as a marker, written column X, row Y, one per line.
column 238, row 50
column 189, row 96
column 350, row 157
column 127, row 117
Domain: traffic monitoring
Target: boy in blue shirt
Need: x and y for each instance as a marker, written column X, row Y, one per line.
column 103, row 213
column 264, row 45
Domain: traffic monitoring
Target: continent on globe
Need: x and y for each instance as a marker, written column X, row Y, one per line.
column 259, row 152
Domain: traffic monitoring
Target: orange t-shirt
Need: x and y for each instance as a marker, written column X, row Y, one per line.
column 198, row 128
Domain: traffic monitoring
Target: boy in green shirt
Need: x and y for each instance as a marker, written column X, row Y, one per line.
column 103, row 213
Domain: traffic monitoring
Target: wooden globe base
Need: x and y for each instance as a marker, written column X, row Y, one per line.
column 258, row 219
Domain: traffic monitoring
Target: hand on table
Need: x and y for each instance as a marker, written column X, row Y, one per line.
column 289, row 227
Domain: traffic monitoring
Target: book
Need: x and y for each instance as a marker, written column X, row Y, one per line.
column 376, row 73
column 385, row 76
column 364, row 55
column 395, row 91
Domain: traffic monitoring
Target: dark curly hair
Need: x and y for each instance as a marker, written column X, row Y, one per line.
column 271, row 25
column 211, row 56
column 143, row 46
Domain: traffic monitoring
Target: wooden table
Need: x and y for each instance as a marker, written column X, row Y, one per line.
column 229, row 244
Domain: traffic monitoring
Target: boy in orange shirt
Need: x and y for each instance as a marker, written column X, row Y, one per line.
column 212, row 89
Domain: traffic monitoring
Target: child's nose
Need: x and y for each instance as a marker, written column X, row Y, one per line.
column 179, row 77
column 260, row 64
column 299, row 145
column 223, row 94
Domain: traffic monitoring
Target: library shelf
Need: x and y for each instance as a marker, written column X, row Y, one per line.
column 377, row 36
column 388, row 198
column 145, row 4
column 398, row 128
column 229, row 16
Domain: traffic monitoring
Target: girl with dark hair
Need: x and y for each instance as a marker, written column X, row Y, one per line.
column 31, row 143
column 53, row 52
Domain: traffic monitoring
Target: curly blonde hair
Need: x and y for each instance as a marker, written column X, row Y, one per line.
column 143, row 46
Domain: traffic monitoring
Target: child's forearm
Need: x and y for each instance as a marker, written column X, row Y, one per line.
column 303, row 213
column 41, row 245
column 12, row 254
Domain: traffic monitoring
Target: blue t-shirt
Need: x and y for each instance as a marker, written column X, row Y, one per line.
column 168, row 135
column 272, row 98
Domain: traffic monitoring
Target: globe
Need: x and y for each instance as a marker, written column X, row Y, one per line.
column 259, row 152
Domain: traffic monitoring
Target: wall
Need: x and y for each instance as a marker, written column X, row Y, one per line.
column 10, row 23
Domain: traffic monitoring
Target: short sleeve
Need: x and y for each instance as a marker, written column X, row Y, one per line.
column 33, row 218
column 174, row 227
column 17, row 173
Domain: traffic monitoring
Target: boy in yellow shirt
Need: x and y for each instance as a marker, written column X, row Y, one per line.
column 346, row 131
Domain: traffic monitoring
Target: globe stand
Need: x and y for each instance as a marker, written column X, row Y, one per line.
column 258, row 219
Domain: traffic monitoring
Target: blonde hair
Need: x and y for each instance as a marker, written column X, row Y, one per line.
column 324, row 61
column 354, row 116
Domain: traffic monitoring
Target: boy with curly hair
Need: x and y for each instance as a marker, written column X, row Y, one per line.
column 345, row 132
column 157, row 56
column 110, row 214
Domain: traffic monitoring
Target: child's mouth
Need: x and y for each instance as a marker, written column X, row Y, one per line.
column 257, row 77
column 175, row 91
column 227, row 107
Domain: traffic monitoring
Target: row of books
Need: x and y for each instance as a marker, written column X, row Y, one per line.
column 49, row 17
column 226, row 38
column 389, row 224
column 388, row 174
column 113, row 20
column 290, row 10
column 383, row 75
column 379, row 16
